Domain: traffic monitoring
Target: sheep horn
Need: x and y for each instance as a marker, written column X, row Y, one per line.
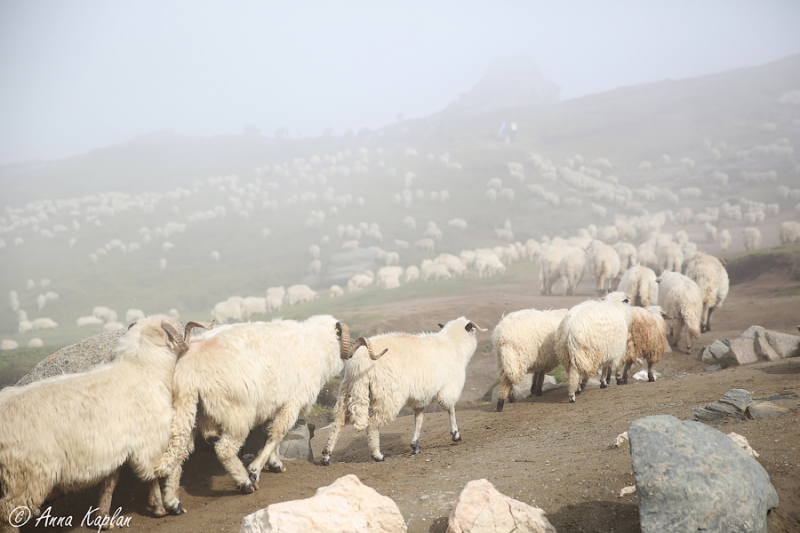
column 474, row 325
column 363, row 341
column 174, row 337
column 343, row 332
column 191, row 325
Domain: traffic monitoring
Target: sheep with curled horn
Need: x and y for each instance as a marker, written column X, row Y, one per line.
column 48, row 443
column 250, row 374
column 393, row 370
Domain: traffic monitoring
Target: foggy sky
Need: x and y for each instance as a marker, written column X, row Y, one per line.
column 79, row 75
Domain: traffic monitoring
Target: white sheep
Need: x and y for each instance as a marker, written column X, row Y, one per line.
column 639, row 283
column 44, row 323
column 298, row 294
column 571, row 267
column 228, row 311
column 393, row 370
column 670, row 257
column 790, row 232
column 628, row 256
column 275, row 296
column 245, row 375
column 592, row 335
column 426, row 245
column 752, row 238
column 724, row 240
column 411, row 274
column 459, row 223
column 711, row 276
column 488, row 263
column 87, row 321
column 253, row 305
column 54, row 448
column 132, row 315
column 389, row 277
column 336, row 291
column 433, row 270
column 524, row 342
column 605, row 265
column 453, row 264
column 681, row 298
column 359, row 282
column 549, row 263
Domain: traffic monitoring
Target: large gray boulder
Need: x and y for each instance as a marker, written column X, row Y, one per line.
column 690, row 477
column 760, row 344
column 78, row 357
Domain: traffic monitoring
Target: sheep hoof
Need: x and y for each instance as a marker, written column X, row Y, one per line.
column 456, row 436
column 651, row 379
column 415, row 447
column 249, row 487
column 538, row 393
column 276, row 468
column 325, row 461
column 177, row 510
column 572, row 399
column 603, row 385
column 378, row 459
column 500, row 403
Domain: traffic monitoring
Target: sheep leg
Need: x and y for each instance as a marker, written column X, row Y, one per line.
column 453, row 426
column 106, row 492
column 650, row 377
column 227, row 448
column 625, row 374
column 605, row 376
column 339, row 421
column 506, row 392
column 169, row 492
column 419, row 413
column 572, row 384
column 708, row 319
column 281, row 424
column 154, row 501
column 374, row 440
column 533, row 383
column 540, row 383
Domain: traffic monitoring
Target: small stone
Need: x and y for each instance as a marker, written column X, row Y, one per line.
column 701, row 413
column 726, row 409
column 784, row 345
column 713, row 368
column 743, row 348
column 765, row 410
column 764, row 350
column 738, row 397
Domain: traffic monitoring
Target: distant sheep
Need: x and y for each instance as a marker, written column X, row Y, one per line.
column 627, row 255
column 670, row 257
column 336, row 291
column 458, row 223
column 393, row 370
column 524, row 342
column 752, row 238
column 711, row 276
column 132, row 315
column 549, row 263
column 790, row 232
column 724, row 240
column 571, row 267
column 605, row 265
column 411, row 274
column 298, row 294
column 426, row 245
column 681, row 299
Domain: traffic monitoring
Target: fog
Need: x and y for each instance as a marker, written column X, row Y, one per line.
column 79, row 75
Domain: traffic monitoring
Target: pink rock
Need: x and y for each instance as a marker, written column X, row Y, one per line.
column 482, row 509
column 344, row 506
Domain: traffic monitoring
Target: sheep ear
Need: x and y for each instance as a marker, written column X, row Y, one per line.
column 626, row 301
column 441, row 326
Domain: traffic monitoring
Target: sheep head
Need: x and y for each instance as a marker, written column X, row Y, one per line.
column 363, row 341
column 343, row 333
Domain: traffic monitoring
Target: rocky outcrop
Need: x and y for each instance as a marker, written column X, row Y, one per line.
column 690, row 477
column 755, row 344
column 482, row 509
column 345, row 506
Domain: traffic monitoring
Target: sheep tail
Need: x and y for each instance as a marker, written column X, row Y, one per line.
column 358, row 403
column 180, row 443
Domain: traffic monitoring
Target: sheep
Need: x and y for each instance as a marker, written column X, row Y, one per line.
column 336, row 291
column 132, row 315
column 452, row 263
column 299, row 294
column 711, row 276
column 393, row 370
column 411, row 274
column 228, row 311
column 55, row 448
column 647, row 340
column 88, row 321
column 359, row 282
column 627, row 255
column 724, row 240
column 593, row 334
column 44, row 323
column 524, row 341
column 315, row 267
column 670, row 257
column 430, row 269
column 752, row 238
column 253, row 305
column 549, row 268
column 639, row 283
column 790, row 232
column 571, row 267
column 488, row 263
column 426, row 245
column 459, row 223
column 245, row 375
column 605, row 265
column 389, row 277
column 681, row 298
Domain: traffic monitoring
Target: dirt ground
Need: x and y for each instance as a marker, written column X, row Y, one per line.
column 545, row 451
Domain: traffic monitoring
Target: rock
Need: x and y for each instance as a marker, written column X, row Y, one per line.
column 784, row 345
column 739, row 398
column 764, row 410
column 701, row 413
column 78, row 357
column 758, row 343
column 627, row 490
column 621, row 439
column 743, row 348
column 297, row 443
column 712, row 368
column 726, row 409
column 717, row 352
column 344, row 506
column 690, row 477
column 480, row 508
column 550, row 383
column 743, row 444
column 641, row 375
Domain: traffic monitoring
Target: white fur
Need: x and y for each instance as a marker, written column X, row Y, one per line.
column 681, row 299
